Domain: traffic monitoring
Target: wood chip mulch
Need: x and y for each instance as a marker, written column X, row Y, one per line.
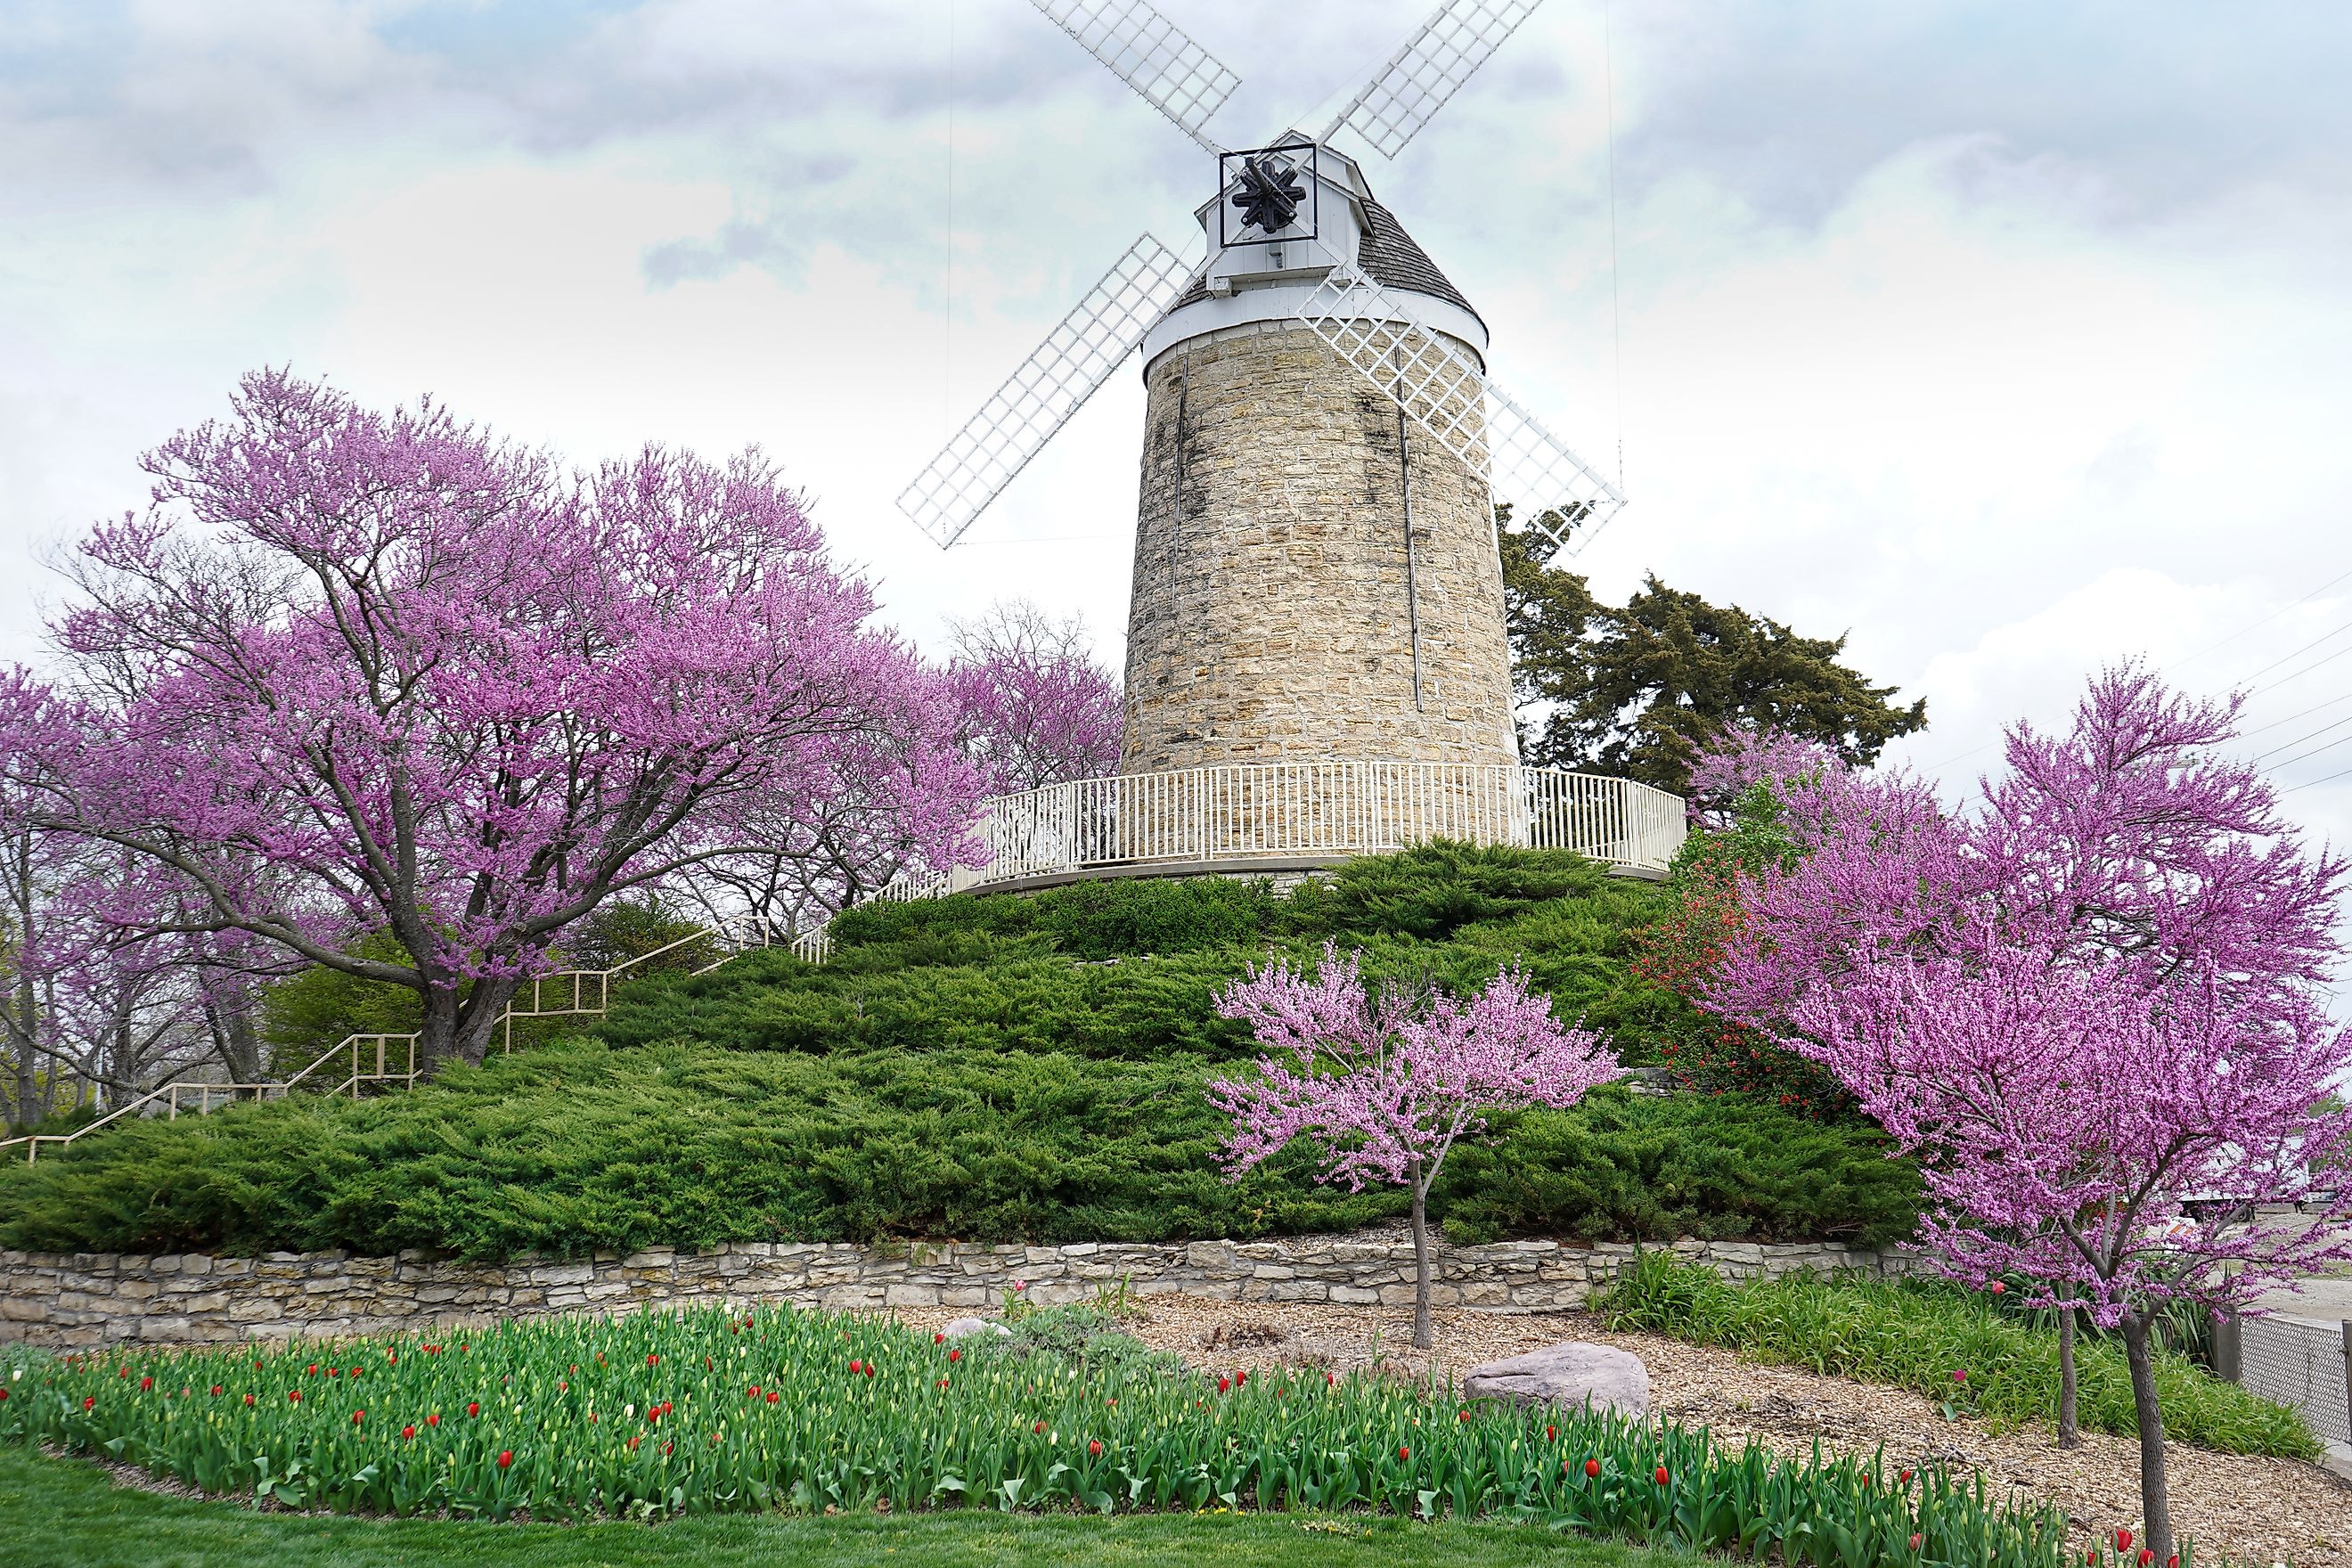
column 2253, row 1510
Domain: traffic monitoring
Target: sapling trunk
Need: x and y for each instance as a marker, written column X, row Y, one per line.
column 2155, row 1506
column 2069, row 1431
column 1424, row 1335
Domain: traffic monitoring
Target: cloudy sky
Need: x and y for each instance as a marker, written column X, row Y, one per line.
column 2010, row 338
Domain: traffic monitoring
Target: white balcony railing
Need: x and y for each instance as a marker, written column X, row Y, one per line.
column 1304, row 810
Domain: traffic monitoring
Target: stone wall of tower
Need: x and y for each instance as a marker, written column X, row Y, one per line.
column 1270, row 621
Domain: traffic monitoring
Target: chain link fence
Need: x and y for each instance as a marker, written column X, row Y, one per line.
column 2298, row 1361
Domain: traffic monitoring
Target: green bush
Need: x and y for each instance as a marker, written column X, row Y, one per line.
column 579, row 1148
column 1649, row 1168
column 1915, row 1334
column 990, row 1069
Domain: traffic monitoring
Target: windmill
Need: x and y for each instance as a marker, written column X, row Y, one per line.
column 1315, row 565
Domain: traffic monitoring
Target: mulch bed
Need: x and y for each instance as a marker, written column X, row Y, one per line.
column 2251, row 1509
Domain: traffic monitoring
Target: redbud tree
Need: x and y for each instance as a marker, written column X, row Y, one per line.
column 1034, row 707
column 356, row 671
column 1385, row 1081
column 2093, row 1003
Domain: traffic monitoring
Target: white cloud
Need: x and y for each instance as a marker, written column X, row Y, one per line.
column 2013, row 346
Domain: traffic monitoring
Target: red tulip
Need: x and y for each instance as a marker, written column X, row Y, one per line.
column 145, row 1383
column 294, row 1395
column 314, row 1369
column 249, row 1399
column 2123, row 1540
column 216, row 1388
column 1465, row 1415
column 408, row 1433
column 774, row 1397
column 1224, row 1384
column 88, row 1400
column 1915, row 1543
column 1905, row 1476
column 955, row 1355
column 944, row 1383
column 1551, row 1434
column 472, row 1408
column 357, row 1417
column 1240, row 1378
column 1039, row 1428
column 1997, row 1287
column 434, row 1419
column 506, row 1459
column 650, row 1360
column 856, row 1367
column 1662, row 1475
column 1405, row 1453
column 869, row 1369
column 1095, row 1448
column 1591, row 1469
column 939, row 1339
column 2145, row 1557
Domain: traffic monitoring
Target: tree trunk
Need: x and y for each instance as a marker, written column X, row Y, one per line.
column 2155, row 1506
column 2069, row 1431
column 1424, row 1336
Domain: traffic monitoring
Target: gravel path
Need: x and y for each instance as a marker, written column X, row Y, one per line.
column 2254, row 1510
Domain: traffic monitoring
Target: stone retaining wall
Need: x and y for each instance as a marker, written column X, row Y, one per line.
column 88, row 1299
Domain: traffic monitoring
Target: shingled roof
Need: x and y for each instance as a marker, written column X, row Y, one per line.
column 1388, row 255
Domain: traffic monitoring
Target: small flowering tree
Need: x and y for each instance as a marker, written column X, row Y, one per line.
column 1386, row 1082
column 1034, row 707
column 2094, row 1004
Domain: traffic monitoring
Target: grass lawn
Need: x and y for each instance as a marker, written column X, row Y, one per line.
column 66, row 1512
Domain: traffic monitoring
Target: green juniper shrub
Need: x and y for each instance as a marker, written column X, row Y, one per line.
column 995, row 1068
column 579, row 1147
column 1917, row 1333
column 1621, row 1166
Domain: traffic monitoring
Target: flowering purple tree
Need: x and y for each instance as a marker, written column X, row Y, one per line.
column 357, row 671
column 1385, row 1083
column 2093, row 1003
column 1035, row 707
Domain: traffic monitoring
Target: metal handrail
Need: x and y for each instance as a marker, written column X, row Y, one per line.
column 381, row 1072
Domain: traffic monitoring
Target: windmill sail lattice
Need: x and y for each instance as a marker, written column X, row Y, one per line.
column 1020, row 417
column 1380, row 336
column 1430, row 69
column 1151, row 54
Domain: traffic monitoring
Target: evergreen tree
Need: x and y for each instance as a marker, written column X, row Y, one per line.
column 1640, row 691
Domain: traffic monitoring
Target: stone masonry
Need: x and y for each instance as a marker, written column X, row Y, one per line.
column 1269, row 621
column 92, row 1298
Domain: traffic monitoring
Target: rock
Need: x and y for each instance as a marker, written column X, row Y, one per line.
column 963, row 1327
column 1571, row 1374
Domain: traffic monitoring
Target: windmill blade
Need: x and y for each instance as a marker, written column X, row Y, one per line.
column 1151, row 54
column 1439, row 385
column 1020, row 417
column 1431, row 67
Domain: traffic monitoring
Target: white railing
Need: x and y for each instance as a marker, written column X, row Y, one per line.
column 1300, row 810
column 1277, row 809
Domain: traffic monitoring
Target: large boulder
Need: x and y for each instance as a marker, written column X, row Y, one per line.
column 962, row 1328
column 1572, row 1375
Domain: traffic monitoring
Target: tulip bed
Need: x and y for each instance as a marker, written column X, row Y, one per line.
column 661, row 1414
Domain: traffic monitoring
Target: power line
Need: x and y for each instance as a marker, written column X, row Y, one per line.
column 2299, row 740
column 2299, row 674
column 2266, row 620
column 2298, row 713
column 2306, row 648
column 2313, row 784
column 2316, row 750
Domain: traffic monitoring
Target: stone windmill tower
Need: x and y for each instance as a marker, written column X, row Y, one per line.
column 1316, row 568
